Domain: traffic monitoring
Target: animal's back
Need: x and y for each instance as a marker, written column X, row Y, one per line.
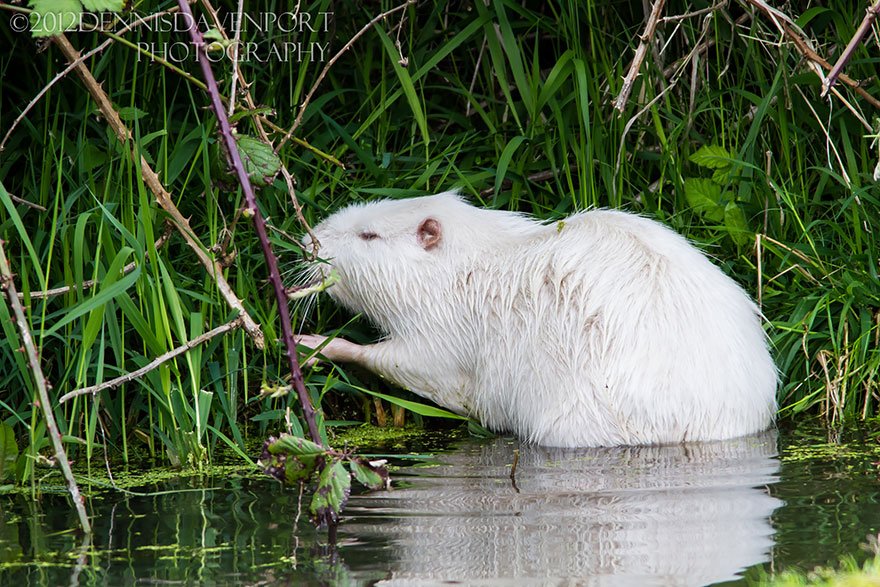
column 611, row 329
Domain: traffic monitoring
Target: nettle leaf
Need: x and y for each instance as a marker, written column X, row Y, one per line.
column 712, row 157
column 260, row 161
column 334, row 486
column 368, row 475
column 104, row 5
column 53, row 17
column 8, row 450
column 295, row 445
column 736, row 225
column 291, row 460
column 704, row 196
column 299, row 469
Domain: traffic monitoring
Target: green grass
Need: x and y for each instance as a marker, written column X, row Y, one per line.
column 510, row 102
column 849, row 574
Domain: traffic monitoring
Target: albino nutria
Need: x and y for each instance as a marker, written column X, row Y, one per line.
column 602, row 329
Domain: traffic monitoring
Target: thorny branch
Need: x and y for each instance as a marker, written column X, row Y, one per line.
column 260, row 120
column 641, row 51
column 790, row 30
column 259, row 225
column 860, row 33
column 151, row 179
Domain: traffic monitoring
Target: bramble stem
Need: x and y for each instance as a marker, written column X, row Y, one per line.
column 259, row 224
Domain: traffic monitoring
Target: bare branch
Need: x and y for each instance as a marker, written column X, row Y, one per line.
column 790, row 30
column 844, row 58
column 641, row 51
column 151, row 179
column 164, row 358
column 24, row 202
column 7, row 284
column 90, row 283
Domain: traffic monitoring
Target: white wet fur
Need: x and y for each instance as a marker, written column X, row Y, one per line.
column 603, row 329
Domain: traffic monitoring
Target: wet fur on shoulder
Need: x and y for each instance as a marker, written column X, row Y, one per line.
column 605, row 328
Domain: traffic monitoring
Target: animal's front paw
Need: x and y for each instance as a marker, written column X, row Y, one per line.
column 313, row 342
column 333, row 349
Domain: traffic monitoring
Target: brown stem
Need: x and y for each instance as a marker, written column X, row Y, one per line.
column 24, row 202
column 641, row 51
column 8, row 284
column 72, row 65
column 154, row 363
column 804, row 48
column 259, row 225
column 844, row 58
column 264, row 136
column 151, row 179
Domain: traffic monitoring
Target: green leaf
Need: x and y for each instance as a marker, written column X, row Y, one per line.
column 704, row 196
column 504, row 161
column 288, row 460
column 406, row 84
column 295, row 445
column 53, row 17
column 368, row 475
column 414, row 407
column 334, row 485
column 212, row 34
column 735, row 223
column 130, row 113
column 8, row 450
column 260, row 161
column 712, row 157
column 104, row 5
column 722, row 176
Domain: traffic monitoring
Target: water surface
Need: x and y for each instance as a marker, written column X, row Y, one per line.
column 697, row 514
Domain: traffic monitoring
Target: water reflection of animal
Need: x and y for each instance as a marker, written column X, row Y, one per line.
column 600, row 330
column 663, row 515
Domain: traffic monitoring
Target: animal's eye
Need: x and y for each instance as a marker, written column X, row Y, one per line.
column 367, row 235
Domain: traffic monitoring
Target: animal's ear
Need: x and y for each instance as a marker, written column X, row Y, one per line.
column 429, row 233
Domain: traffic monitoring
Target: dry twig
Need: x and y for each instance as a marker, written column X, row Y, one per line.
column 790, row 30
column 164, row 358
column 860, row 33
column 151, row 179
column 90, row 283
column 8, row 284
column 641, row 51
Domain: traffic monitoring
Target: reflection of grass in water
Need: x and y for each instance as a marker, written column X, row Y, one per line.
column 825, row 451
column 849, row 574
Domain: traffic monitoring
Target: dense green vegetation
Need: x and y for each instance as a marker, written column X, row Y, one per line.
column 724, row 137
